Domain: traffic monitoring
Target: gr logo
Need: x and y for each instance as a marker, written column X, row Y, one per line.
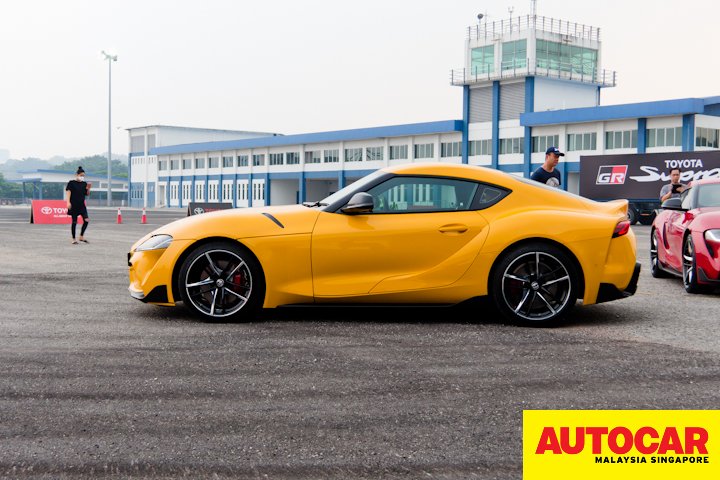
column 611, row 175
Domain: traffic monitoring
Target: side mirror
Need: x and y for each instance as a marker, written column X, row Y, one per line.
column 673, row 204
column 361, row 202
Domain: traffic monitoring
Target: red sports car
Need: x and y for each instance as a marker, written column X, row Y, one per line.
column 685, row 237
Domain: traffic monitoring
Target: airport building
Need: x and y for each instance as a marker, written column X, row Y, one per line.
column 528, row 83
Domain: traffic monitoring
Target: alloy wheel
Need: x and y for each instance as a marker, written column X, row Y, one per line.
column 218, row 283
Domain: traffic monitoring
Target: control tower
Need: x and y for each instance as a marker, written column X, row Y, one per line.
column 519, row 65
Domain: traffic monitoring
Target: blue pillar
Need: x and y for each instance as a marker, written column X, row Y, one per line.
column 267, row 189
column 301, row 192
column 220, row 188
column 466, row 123
column 688, row 132
column 529, row 107
column 180, row 193
column 167, row 192
column 341, row 179
column 495, row 124
column 207, row 188
column 235, row 189
column 251, row 190
column 192, row 189
column 642, row 135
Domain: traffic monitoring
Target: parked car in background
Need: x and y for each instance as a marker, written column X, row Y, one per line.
column 685, row 237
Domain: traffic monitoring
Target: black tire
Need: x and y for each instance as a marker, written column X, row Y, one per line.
column 632, row 216
column 222, row 281
column 534, row 284
column 647, row 219
column 690, row 268
column 655, row 268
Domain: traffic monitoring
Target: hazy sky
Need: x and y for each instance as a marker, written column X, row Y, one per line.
column 297, row 66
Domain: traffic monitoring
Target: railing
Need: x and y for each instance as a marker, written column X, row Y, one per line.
column 528, row 22
column 603, row 78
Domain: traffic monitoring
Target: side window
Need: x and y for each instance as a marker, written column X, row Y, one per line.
column 488, row 196
column 422, row 194
column 686, row 197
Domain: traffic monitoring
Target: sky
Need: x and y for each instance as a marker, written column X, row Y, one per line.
column 297, row 66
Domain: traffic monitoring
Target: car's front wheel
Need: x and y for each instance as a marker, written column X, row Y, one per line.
column 222, row 281
column 655, row 268
column 690, row 267
column 534, row 284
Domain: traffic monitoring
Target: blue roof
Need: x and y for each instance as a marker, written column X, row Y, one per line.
column 662, row 108
column 320, row 137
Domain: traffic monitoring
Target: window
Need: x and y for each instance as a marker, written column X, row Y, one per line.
column 511, row 145
column 173, row 191
column 451, row 149
column 227, row 192
column 479, row 147
column 581, row 141
column 258, row 160
column 514, row 54
column 422, row 194
column 242, row 160
column 199, row 163
column 199, row 192
column 542, row 143
column 353, row 154
column 214, row 162
column 228, row 162
column 398, row 152
column 566, row 58
column 174, row 164
column 664, row 137
column 374, row 153
column 706, row 137
column 242, row 191
column 424, row 150
column 332, row 156
column 293, row 158
column 276, row 159
column 313, row 157
column 482, row 60
column 162, row 164
column 620, row 139
column 212, row 192
column 187, row 163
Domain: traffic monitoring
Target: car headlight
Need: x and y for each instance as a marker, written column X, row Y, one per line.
column 156, row 242
column 712, row 240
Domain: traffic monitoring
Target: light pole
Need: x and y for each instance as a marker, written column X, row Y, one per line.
column 110, row 58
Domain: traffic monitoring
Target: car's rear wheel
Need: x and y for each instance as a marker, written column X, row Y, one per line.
column 655, row 269
column 222, row 281
column 534, row 284
column 690, row 267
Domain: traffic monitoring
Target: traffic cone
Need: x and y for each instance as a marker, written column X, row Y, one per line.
column 143, row 219
column 119, row 219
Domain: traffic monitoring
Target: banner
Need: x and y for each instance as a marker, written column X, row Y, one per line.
column 50, row 212
column 196, row 208
column 641, row 176
column 621, row 444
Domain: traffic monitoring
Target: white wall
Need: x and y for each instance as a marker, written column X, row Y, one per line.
column 552, row 94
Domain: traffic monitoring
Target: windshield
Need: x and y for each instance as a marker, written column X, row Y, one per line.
column 709, row 195
column 356, row 186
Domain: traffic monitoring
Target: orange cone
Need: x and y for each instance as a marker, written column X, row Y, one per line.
column 119, row 219
column 143, row 219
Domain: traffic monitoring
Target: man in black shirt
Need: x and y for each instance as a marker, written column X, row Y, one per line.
column 75, row 193
column 546, row 173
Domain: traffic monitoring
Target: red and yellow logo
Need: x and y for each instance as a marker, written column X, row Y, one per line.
column 621, row 444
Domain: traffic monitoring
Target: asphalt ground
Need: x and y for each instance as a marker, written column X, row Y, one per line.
column 94, row 384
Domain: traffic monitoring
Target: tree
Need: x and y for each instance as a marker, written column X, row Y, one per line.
column 96, row 165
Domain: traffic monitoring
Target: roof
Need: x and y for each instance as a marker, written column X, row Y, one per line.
column 662, row 108
column 320, row 137
column 202, row 129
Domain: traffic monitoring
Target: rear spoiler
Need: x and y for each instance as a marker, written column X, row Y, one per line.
column 614, row 207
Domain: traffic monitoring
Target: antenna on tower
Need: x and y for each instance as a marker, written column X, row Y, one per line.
column 534, row 8
column 511, row 9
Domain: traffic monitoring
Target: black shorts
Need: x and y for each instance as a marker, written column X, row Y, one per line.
column 75, row 211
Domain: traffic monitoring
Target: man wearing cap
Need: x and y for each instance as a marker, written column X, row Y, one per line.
column 75, row 193
column 546, row 173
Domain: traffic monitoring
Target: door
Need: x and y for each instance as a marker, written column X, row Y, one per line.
column 421, row 234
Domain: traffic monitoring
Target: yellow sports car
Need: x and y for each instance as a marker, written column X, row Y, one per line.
column 411, row 234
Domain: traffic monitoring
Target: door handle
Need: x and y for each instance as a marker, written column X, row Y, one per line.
column 453, row 228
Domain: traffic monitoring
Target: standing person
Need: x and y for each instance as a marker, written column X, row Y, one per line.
column 546, row 173
column 674, row 188
column 75, row 193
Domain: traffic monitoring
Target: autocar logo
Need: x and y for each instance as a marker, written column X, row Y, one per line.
column 46, row 210
column 198, row 210
column 611, row 175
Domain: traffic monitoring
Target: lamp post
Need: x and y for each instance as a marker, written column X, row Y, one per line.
column 110, row 58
